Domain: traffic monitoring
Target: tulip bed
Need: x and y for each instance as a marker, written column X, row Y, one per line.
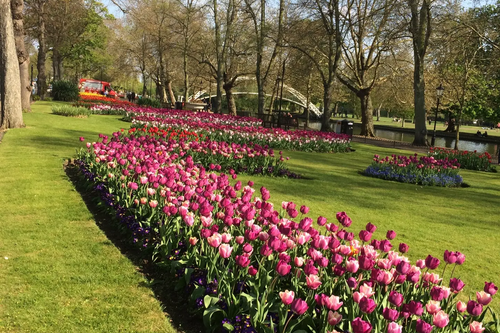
column 251, row 266
column 467, row 159
column 242, row 130
column 99, row 104
column 414, row 170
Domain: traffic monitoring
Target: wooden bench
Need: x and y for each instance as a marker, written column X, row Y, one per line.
column 268, row 120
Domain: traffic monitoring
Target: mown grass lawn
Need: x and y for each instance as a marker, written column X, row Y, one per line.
column 63, row 275
column 58, row 271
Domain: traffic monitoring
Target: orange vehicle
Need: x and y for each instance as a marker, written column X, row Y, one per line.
column 96, row 86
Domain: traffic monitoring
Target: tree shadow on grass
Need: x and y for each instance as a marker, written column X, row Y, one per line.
column 161, row 282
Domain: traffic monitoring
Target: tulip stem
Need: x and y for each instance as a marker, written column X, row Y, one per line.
column 284, row 328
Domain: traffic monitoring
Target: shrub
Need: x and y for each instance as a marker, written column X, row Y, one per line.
column 149, row 102
column 65, row 91
column 71, row 111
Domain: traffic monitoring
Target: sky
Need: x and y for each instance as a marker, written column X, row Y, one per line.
column 112, row 8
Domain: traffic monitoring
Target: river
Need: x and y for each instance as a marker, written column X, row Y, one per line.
column 446, row 142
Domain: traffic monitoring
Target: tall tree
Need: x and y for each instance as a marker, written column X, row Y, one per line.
column 263, row 42
column 318, row 32
column 373, row 29
column 17, row 7
column 11, row 113
column 420, row 28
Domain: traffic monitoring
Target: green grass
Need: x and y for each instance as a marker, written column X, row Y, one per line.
column 63, row 275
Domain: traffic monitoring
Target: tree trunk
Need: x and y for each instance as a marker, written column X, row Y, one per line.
column 170, row 92
column 327, row 113
column 11, row 113
column 366, row 113
column 57, row 65
column 231, row 105
column 451, row 124
column 23, row 56
column 419, row 101
column 42, row 53
column 378, row 112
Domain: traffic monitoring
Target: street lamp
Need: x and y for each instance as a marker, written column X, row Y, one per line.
column 439, row 93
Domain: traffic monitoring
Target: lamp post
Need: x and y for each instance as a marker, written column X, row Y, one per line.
column 439, row 93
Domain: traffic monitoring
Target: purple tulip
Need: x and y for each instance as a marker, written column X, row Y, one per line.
column 370, row 228
column 365, row 236
column 423, row 327
column 361, row 326
column 391, row 234
column 352, row 283
column 490, row 288
column 283, row 268
column 321, row 221
column 344, row 219
column 385, row 245
column 366, row 263
column 456, row 284
column 431, row 262
column 390, row 314
column 403, row 247
column 450, row 257
column 415, row 308
column 437, row 293
column 403, row 267
column 474, row 308
column 299, row 306
column 367, row 305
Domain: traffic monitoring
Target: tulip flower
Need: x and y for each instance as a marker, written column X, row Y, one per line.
column 283, row 268
column 394, row 328
column 390, row 314
column 299, row 306
column 332, row 302
column 391, row 234
column 476, row 327
column 483, row 298
column 367, row 305
column 461, row 306
column 456, row 284
column 433, row 307
column 431, row 262
column 490, row 288
column 474, row 308
column 287, row 297
column 225, row 251
column 440, row 319
column 313, row 281
column 334, row 318
column 361, row 326
column 423, row 327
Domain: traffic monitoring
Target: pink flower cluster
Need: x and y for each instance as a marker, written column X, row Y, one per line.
column 240, row 130
column 310, row 278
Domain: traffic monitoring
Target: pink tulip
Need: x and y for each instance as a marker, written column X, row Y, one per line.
column 153, row 203
column 226, row 238
column 366, row 290
column 215, row 240
column 361, row 326
column 394, row 328
column 252, row 271
column 239, row 239
column 193, row 240
column 189, row 219
column 225, row 251
column 283, row 268
column 433, row 307
column 332, row 302
column 352, row 266
column 313, row 281
column 476, row 327
column 483, row 298
column 440, row 319
column 298, row 261
column 334, row 318
column 461, row 306
column 287, row 297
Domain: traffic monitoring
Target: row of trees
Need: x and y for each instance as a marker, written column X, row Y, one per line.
column 330, row 50
column 369, row 47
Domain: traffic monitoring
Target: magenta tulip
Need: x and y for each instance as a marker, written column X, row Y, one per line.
column 490, row 288
column 474, row 308
column 367, row 305
column 299, row 306
column 361, row 326
column 423, row 327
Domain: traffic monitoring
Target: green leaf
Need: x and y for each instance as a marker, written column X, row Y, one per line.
column 228, row 327
column 209, row 301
